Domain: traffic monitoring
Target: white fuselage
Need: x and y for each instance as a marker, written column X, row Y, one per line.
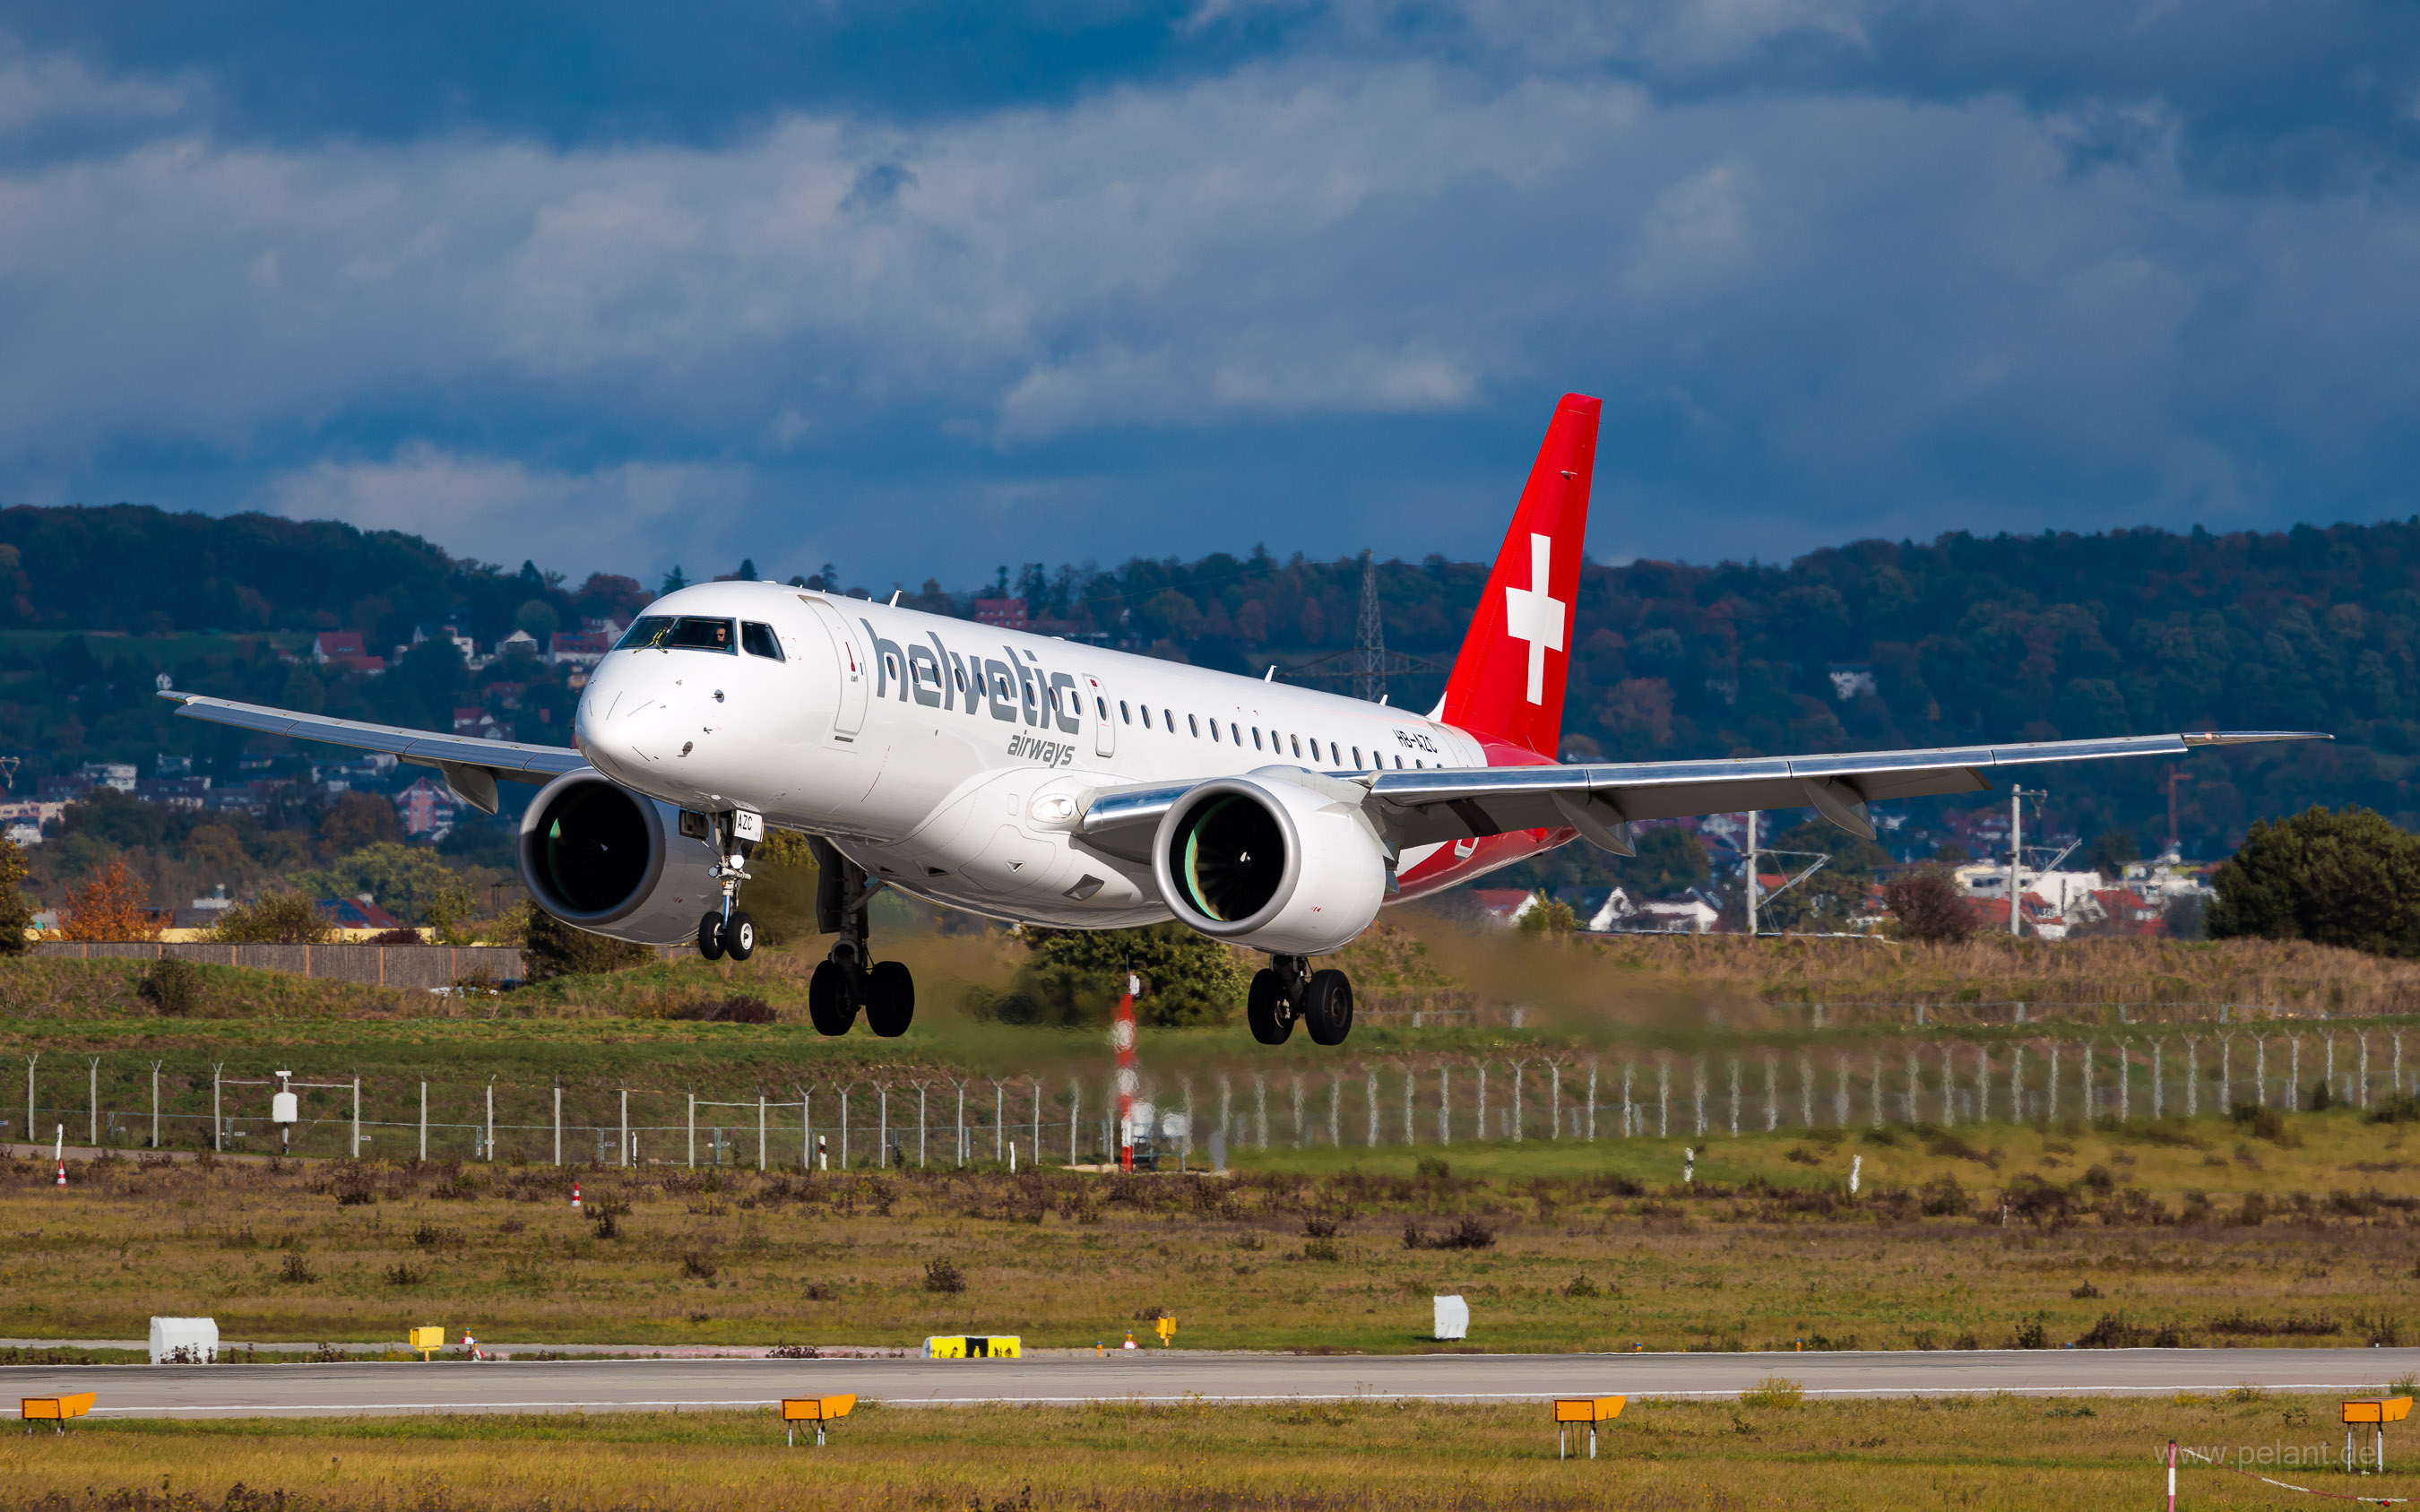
column 949, row 758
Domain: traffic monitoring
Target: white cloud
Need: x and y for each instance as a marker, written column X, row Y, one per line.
column 499, row 508
column 1826, row 297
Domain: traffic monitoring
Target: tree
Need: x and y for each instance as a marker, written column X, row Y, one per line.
column 275, row 918
column 16, row 909
column 674, row 582
column 1551, row 916
column 406, row 880
column 1670, row 859
column 2350, row 878
column 112, row 906
column 540, row 619
column 2111, row 849
column 1929, row 907
column 1832, row 896
column 554, row 949
column 1074, row 977
column 356, row 820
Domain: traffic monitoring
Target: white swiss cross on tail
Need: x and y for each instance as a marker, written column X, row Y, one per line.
column 1534, row 615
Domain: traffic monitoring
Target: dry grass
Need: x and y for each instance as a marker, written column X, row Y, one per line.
column 2051, row 1455
column 2295, row 976
column 1589, row 1246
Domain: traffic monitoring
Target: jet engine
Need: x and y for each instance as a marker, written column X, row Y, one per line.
column 1284, row 862
column 614, row 862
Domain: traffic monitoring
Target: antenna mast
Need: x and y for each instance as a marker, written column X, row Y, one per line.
column 1370, row 638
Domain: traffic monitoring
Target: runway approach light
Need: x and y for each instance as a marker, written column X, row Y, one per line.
column 1452, row 1318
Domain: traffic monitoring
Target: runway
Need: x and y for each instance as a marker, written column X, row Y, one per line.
column 1177, row 1376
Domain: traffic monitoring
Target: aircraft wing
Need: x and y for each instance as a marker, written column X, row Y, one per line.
column 1426, row 807
column 471, row 766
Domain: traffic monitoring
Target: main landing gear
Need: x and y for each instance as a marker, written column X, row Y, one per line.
column 846, row 981
column 1287, row 990
column 729, row 931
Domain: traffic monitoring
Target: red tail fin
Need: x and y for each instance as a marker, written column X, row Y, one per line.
column 1508, row 683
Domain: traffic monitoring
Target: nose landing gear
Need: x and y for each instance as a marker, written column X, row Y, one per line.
column 1287, row 990
column 729, row 931
column 849, row 980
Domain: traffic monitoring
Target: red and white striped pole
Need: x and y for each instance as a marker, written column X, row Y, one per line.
column 575, row 1194
column 59, row 1153
column 1121, row 1035
column 2172, row 1475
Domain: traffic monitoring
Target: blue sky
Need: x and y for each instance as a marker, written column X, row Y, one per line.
column 922, row 290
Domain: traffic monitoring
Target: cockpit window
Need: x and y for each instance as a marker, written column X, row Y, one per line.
column 759, row 640
column 688, row 633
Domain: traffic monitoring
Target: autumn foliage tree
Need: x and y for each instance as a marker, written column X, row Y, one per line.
column 111, row 906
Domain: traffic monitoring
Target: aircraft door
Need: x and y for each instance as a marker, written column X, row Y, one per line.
column 1104, row 724
column 849, row 715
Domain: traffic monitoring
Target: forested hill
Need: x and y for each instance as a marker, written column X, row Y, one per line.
column 1960, row 640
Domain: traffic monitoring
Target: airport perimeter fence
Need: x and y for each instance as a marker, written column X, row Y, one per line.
column 931, row 1117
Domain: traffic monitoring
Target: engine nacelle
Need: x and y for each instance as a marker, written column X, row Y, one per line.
column 612, row 861
column 1279, row 860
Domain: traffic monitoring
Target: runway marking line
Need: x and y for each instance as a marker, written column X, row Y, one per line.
column 263, row 1408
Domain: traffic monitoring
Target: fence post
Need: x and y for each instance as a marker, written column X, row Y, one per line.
column 1948, row 1084
column 2125, row 1082
column 1772, row 1096
column 844, row 1128
column 692, row 1131
column 1369, row 1094
column 155, row 1104
column 558, row 1121
column 1335, row 1102
column 1732, row 1078
column 1481, row 1135
column 1298, row 1110
column 1261, row 1110
column 1034, row 1084
column 1698, row 1092
column 760, row 1126
column 998, row 1124
column 1663, row 1096
column 920, row 1126
column 94, row 1124
column 625, row 1160
column 806, row 1128
column 357, row 1111
column 1075, row 1106
column 1445, row 1105
column 2225, row 1074
column 2192, row 1077
column 29, row 1094
column 424, row 1123
column 881, row 1124
column 1411, row 1115
column 2294, row 1073
column 1591, row 1102
column 491, row 1116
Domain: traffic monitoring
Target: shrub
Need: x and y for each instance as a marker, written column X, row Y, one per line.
column 943, row 1276
column 2084, row 1291
column 1579, row 1285
column 1076, row 977
column 172, row 987
column 297, row 1270
column 405, row 1274
column 1469, row 1233
column 696, row 1267
column 16, row 909
column 555, row 949
column 1929, row 907
column 275, row 918
column 2031, row 1335
column 400, row 934
column 1774, row 1391
column 1943, row 1198
column 735, row 1009
column 1317, row 1227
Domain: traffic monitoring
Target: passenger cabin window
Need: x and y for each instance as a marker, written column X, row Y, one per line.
column 1356, row 759
column 1235, row 734
column 759, row 640
column 1214, row 730
column 1295, row 741
column 1168, row 719
column 1193, row 722
column 1146, row 717
column 1125, row 716
column 687, row 633
column 1256, row 737
column 1101, row 704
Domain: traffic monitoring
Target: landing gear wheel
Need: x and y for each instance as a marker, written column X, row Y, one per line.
column 740, row 936
column 1327, row 1007
column 1271, row 1016
column 828, row 1002
column 710, row 936
column 890, row 999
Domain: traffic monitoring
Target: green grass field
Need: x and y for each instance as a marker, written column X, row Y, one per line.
column 2053, row 1455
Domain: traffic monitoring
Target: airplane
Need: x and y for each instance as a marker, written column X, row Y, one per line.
column 1046, row 781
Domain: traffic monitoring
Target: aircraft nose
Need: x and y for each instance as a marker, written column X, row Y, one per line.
column 612, row 726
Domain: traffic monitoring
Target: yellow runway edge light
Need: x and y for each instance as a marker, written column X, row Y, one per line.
column 55, row 1409
column 1588, row 1409
column 427, row 1341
